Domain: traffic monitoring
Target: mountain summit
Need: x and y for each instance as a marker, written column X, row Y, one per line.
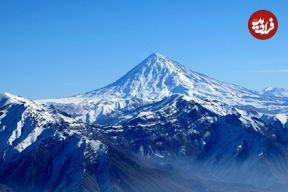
column 154, row 79
column 157, row 77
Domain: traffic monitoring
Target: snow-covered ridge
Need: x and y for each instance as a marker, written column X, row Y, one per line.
column 34, row 108
column 36, row 139
column 275, row 92
column 26, row 131
column 282, row 118
column 25, row 121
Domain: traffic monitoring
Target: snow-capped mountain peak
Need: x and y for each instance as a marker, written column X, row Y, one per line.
column 34, row 108
column 155, row 77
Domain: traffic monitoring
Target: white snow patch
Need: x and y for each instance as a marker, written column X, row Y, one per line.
column 282, row 118
column 31, row 138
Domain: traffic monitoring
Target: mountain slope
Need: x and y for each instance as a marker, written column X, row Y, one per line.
column 41, row 149
column 157, row 77
column 177, row 133
column 66, row 155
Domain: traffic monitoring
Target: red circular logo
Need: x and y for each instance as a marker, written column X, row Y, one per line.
column 263, row 24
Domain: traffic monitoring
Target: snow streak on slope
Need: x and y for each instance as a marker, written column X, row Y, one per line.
column 26, row 131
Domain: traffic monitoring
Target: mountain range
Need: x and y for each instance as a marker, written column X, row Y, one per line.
column 160, row 127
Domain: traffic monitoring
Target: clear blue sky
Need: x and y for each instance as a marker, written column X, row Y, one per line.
column 57, row 48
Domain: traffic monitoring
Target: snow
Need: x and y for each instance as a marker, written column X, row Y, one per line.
column 94, row 144
column 16, row 132
column 159, row 155
column 32, row 122
column 31, row 138
column 275, row 92
column 239, row 148
column 75, row 100
column 261, row 154
column 147, row 114
column 282, row 118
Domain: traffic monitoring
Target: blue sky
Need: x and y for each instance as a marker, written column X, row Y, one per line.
column 57, row 48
